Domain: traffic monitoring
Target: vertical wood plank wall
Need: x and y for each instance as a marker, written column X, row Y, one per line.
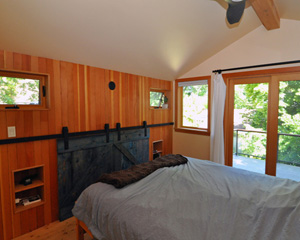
column 81, row 100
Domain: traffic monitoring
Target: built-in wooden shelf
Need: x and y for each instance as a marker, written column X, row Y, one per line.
column 35, row 175
column 35, row 183
column 157, row 148
column 23, row 208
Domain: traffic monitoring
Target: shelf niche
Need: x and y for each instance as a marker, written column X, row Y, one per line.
column 157, row 148
column 28, row 182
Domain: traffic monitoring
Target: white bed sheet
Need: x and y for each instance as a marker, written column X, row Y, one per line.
column 198, row 200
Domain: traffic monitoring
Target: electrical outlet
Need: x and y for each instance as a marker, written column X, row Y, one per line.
column 11, row 131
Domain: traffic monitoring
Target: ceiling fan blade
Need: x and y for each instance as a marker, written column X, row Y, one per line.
column 235, row 11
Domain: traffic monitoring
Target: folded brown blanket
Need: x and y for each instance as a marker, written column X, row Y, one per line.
column 135, row 173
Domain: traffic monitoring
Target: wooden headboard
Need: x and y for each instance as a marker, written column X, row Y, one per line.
column 88, row 157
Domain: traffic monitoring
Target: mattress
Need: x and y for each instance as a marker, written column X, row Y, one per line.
column 197, row 200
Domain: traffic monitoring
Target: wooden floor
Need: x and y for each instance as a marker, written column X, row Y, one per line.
column 55, row 231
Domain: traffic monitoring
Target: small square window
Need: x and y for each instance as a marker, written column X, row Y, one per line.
column 156, row 99
column 22, row 90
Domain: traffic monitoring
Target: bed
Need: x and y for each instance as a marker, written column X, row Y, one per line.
column 196, row 200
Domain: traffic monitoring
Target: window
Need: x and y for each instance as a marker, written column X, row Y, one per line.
column 22, row 90
column 159, row 99
column 156, row 98
column 193, row 105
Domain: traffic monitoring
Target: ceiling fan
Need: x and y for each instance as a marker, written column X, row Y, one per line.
column 235, row 10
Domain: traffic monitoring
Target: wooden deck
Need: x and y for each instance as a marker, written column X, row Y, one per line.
column 55, row 231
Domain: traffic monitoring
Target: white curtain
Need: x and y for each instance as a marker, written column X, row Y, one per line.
column 217, row 131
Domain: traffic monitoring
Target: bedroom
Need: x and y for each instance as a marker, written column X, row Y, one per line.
column 248, row 43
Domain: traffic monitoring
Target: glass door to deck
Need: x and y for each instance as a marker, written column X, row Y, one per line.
column 264, row 125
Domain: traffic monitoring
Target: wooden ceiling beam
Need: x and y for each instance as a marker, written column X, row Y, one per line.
column 267, row 13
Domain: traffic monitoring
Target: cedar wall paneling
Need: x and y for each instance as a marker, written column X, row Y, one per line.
column 81, row 100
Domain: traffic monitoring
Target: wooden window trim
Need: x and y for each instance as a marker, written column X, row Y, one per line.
column 178, row 107
column 44, row 83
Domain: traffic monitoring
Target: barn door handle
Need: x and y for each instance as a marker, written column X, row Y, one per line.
column 145, row 127
column 119, row 131
column 106, row 126
column 65, row 133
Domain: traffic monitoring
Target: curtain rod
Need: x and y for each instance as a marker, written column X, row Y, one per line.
column 255, row 66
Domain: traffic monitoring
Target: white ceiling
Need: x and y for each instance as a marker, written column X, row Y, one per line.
column 157, row 38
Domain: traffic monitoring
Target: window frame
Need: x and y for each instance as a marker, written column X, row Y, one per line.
column 179, row 107
column 43, row 90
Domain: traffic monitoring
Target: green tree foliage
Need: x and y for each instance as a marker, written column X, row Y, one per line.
column 8, row 90
column 289, row 107
column 198, row 90
column 289, row 122
column 252, row 144
column 195, row 103
column 18, row 91
column 156, row 98
column 254, row 98
column 33, row 88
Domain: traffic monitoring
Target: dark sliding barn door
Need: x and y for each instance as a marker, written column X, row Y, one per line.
column 88, row 157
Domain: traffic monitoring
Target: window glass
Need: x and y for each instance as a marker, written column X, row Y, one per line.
column 22, row 90
column 288, row 153
column 19, row 91
column 195, row 106
column 156, row 98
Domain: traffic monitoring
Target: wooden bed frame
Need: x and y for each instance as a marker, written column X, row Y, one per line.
column 81, row 229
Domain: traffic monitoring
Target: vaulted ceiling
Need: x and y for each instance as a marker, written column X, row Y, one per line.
column 158, row 38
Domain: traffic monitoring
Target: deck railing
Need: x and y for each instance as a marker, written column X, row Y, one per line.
column 294, row 162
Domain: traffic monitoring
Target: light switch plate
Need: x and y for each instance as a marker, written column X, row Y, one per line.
column 11, row 131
